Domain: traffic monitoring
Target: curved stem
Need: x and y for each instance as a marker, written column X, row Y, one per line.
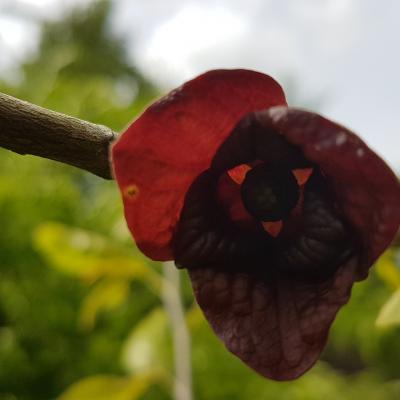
column 180, row 333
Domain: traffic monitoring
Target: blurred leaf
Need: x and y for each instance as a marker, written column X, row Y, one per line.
column 80, row 67
column 146, row 348
column 104, row 296
column 107, row 387
column 390, row 312
column 387, row 269
column 194, row 317
column 90, row 256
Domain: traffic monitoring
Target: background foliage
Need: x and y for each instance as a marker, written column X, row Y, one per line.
column 81, row 315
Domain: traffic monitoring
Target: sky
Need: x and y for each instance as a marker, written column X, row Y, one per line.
column 340, row 56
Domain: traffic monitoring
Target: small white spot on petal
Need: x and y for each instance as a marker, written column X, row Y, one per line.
column 341, row 139
column 360, row 152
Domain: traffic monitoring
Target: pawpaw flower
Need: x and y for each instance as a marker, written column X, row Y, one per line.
column 274, row 211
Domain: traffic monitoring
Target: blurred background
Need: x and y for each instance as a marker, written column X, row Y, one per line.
column 83, row 315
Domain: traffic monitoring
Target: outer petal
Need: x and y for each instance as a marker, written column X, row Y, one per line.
column 367, row 191
column 173, row 141
column 278, row 328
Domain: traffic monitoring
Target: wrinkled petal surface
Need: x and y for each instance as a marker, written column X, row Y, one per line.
column 366, row 189
column 278, row 328
column 173, row 141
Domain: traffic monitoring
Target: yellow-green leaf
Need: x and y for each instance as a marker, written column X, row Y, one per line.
column 387, row 269
column 108, row 387
column 390, row 312
column 147, row 348
column 194, row 317
column 90, row 256
column 104, row 296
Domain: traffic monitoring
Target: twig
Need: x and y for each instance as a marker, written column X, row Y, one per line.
column 181, row 336
column 29, row 129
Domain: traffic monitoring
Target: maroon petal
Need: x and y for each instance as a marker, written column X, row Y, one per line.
column 278, row 328
column 366, row 189
column 278, row 323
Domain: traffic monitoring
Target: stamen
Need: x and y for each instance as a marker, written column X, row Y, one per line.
column 302, row 175
column 273, row 228
column 238, row 174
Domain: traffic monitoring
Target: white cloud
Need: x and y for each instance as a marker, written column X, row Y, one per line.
column 281, row 38
column 194, row 31
column 16, row 41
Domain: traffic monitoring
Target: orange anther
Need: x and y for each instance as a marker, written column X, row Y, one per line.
column 302, row 175
column 273, row 228
column 238, row 173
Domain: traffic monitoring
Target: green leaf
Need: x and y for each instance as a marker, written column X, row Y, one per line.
column 195, row 317
column 90, row 256
column 148, row 347
column 390, row 313
column 104, row 296
column 387, row 269
column 107, row 387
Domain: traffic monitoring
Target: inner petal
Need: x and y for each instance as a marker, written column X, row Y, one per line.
column 228, row 195
column 315, row 239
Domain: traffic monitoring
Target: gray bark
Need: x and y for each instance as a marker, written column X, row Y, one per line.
column 29, row 129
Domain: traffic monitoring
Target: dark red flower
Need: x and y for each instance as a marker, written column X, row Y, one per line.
column 274, row 211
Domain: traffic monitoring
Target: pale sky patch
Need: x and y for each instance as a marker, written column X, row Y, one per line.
column 193, row 31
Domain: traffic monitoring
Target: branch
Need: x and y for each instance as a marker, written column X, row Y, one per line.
column 29, row 129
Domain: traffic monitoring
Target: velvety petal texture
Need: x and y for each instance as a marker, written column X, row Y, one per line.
column 157, row 158
column 278, row 328
column 182, row 170
column 366, row 189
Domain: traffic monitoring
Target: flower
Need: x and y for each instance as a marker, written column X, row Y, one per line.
column 274, row 211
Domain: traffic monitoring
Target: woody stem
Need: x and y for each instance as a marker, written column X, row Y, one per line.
column 29, row 129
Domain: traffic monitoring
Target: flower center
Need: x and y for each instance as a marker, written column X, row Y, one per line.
column 268, row 193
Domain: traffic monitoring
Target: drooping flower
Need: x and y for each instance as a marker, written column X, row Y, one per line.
column 274, row 211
